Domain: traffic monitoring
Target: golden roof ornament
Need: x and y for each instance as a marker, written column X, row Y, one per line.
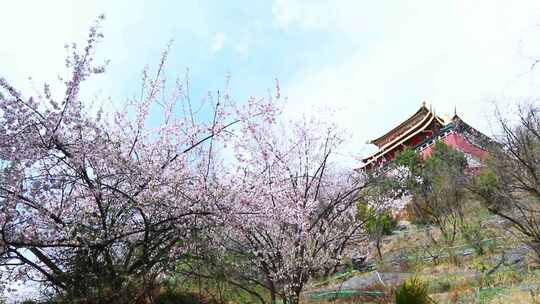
column 446, row 119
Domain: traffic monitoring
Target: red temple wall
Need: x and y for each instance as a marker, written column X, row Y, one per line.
column 458, row 142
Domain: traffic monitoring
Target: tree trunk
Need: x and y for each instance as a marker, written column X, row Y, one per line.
column 378, row 246
column 272, row 289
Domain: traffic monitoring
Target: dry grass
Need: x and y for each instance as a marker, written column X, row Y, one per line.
column 514, row 296
column 466, row 281
column 377, row 289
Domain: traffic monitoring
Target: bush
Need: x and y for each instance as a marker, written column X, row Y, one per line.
column 474, row 235
column 376, row 222
column 412, row 291
column 415, row 211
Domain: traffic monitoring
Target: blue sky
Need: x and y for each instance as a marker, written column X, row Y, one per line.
column 375, row 61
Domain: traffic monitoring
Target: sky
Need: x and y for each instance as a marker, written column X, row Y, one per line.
column 373, row 61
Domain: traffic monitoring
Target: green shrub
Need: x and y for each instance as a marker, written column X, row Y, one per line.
column 408, row 158
column 416, row 212
column 381, row 222
column 412, row 291
column 474, row 236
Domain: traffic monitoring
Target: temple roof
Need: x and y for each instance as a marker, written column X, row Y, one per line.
column 418, row 122
column 469, row 139
column 403, row 127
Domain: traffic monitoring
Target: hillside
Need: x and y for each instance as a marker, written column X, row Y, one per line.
column 493, row 268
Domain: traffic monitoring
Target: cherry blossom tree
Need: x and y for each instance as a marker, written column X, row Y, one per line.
column 294, row 207
column 98, row 205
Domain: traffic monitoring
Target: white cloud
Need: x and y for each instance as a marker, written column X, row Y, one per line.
column 250, row 37
column 218, row 43
column 345, row 16
column 462, row 54
column 242, row 48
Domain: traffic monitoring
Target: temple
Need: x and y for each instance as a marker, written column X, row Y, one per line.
column 421, row 131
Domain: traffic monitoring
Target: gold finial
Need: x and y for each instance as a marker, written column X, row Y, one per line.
column 424, row 103
column 447, row 119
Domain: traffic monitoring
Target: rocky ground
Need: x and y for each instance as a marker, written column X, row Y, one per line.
column 504, row 270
